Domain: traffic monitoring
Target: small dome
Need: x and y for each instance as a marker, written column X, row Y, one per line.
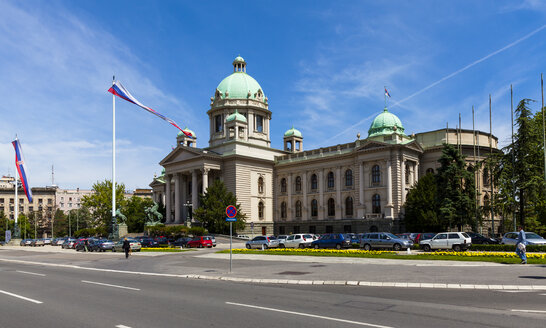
column 384, row 124
column 238, row 59
column 293, row 132
column 240, row 85
column 180, row 133
column 236, row 117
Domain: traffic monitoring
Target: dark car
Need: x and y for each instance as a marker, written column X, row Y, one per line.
column 182, row 242
column 102, row 245
column 81, row 245
column 162, row 240
column 424, row 236
column 481, row 239
column 148, row 242
column 332, row 240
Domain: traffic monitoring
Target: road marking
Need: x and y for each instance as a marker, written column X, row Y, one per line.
column 122, row 326
column 108, row 285
column 310, row 315
column 529, row 311
column 21, row 297
column 515, row 291
column 36, row 274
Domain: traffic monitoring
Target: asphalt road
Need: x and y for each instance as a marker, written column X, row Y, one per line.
column 71, row 297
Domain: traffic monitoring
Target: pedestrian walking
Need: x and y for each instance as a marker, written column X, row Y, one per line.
column 85, row 246
column 126, row 247
column 520, row 246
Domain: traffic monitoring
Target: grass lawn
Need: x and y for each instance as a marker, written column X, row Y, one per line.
column 496, row 257
column 163, row 249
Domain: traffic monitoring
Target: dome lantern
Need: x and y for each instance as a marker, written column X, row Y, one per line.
column 239, row 65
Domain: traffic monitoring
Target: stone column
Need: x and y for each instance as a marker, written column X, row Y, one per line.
column 205, row 172
column 321, row 195
column 339, row 206
column 289, row 190
column 361, row 184
column 184, row 197
column 304, row 191
column 403, row 182
column 416, row 174
column 168, row 197
column 194, row 199
column 389, row 207
column 177, row 198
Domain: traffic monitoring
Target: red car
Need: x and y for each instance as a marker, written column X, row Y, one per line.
column 200, row 242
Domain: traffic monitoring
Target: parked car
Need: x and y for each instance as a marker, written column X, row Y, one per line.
column 57, row 241
column 37, row 242
column 280, row 238
column 69, row 243
column 135, row 245
column 384, row 240
column 406, row 236
column 481, row 239
column 148, row 242
column 103, row 245
column 182, row 241
column 47, row 241
column 162, row 240
column 511, row 238
column 262, row 242
column 213, row 240
column 200, row 242
column 332, row 240
column 245, row 237
column 25, row 242
column 423, row 236
column 299, row 240
column 458, row 241
column 355, row 239
column 80, row 245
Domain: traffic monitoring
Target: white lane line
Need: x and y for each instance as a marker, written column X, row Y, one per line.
column 122, row 326
column 514, row 291
column 21, row 297
column 529, row 311
column 310, row 315
column 36, row 274
column 108, row 285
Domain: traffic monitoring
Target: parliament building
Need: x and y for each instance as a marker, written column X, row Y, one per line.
column 358, row 186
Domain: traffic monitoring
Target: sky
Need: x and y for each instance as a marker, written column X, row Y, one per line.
column 322, row 64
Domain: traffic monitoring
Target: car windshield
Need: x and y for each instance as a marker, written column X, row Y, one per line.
column 532, row 235
column 391, row 235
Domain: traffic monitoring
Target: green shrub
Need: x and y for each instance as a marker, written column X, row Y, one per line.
column 506, row 248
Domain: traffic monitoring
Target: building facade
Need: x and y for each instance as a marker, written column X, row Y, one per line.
column 354, row 187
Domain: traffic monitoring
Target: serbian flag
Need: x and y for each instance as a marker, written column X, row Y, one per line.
column 387, row 93
column 20, row 163
column 119, row 90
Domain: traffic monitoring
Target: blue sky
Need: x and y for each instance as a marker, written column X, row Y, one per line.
column 322, row 64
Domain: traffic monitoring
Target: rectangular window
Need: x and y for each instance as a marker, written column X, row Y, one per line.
column 40, row 201
column 21, row 200
column 218, row 123
column 1, row 200
column 49, row 201
column 296, row 229
column 329, row 229
column 313, row 229
column 31, row 209
column 259, row 123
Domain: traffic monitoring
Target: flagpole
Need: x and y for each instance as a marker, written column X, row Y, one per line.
column 491, row 184
column 16, row 233
column 513, row 157
column 114, row 223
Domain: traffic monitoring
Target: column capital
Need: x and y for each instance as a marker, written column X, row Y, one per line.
column 205, row 170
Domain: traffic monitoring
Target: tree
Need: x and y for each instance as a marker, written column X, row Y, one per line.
column 420, row 206
column 3, row 225
column 455, row 190
column 100, row 202
column 60, row 224
column 135, row 212
column 212, row 213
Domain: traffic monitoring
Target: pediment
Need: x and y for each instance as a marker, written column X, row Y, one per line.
column 373, row 145
column 181, row 154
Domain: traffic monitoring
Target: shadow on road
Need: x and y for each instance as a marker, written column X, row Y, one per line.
column 532, row 277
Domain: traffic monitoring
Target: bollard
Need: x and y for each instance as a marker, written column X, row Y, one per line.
column 408, row 251
column 262, row 247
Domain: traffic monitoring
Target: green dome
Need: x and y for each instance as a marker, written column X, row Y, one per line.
column 236, row 116
column 240, row 85
column 293, row 132
column 384, row 124
column 180, row 133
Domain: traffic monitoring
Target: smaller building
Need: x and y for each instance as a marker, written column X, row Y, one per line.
column 70, row 199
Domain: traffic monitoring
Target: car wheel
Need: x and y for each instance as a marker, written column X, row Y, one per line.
column 367, row 247
column 301, row 246
column 397, row 247
column 247, row 246
column 485, row 242
column 282, row 246
column 200, row 246
column 338, row 246
column 457, row 248
column 265, row 246
column 317, row 246
column 426, row 248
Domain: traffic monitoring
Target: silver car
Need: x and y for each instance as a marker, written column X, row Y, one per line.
column 299, row 240
column 458, row 241
column 262, row 242
column 384, row 240
column 511, row 238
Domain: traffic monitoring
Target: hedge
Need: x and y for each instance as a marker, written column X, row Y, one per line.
column 506, row 248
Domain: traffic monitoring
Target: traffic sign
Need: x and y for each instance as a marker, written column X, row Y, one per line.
column 231, row 219
column 231, row 211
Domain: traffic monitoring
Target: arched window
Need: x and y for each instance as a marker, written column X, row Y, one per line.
column 374, row 229
column 376, row 174
column 486, row 201
column 376, row 203
column 314, row 208
column 407, row 174
column 330, row 179
column 331, row 207
column 260, row 185
column 298, row 209
column 298, row 184
column 283, row 185
column 486, row 177
column 261, row 210
column 283, row 210
column 349, row 206
column 430, row 170
column 348, row 178
column 314, row 182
